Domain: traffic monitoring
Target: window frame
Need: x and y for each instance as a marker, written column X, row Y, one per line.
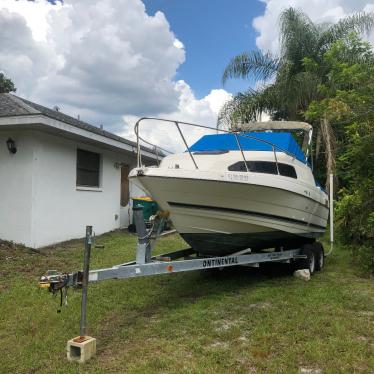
column 252, row 168
column 98, row 171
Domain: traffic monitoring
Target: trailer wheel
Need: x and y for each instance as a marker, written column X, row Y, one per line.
column 319, row 255
column 309, row 262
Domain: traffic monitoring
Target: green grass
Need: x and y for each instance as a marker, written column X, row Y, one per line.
column 238, row 320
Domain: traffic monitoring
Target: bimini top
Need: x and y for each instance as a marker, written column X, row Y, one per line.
column 283, row 141
column 275, row 125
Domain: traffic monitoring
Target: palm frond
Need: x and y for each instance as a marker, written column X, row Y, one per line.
column 298, row 36
column 254, row 64
column 248, row 107
column 357, row 23
column 226, row 116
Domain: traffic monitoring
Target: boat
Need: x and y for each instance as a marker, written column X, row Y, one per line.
column 234, row 191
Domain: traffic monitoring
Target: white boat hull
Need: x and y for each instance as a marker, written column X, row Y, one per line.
column 218, row 217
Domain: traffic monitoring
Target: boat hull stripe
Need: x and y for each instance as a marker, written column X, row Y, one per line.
column 224, row 181
column 246, row 212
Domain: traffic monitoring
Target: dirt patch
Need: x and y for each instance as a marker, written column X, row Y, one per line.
column 362, row 338
column 263, row 305
column 366, row 313
column 242, row 339
column 306, row 370
column 218, row 345
column 225, row 325
column 17, row 260
column 154, row 319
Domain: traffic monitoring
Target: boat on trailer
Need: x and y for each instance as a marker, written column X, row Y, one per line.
column 232, row 191
column 229, row 194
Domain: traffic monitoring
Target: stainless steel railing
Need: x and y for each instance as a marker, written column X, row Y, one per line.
column 156, row 148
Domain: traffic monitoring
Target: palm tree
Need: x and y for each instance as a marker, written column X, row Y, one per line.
column 294, row 75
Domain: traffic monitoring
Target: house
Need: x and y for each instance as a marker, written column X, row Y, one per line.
column 59, row 174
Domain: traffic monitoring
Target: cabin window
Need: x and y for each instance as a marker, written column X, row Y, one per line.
column 287, row 170
column 266, row 167
column 88, row 168
column 263, row 167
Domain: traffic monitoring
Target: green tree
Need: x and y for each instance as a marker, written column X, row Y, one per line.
column 347, row 103
column 6, row 85
column 296, row 74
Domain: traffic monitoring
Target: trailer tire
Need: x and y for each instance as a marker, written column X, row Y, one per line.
column 309, row 262
column 319, row 255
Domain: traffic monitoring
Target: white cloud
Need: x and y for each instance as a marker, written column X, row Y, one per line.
column 117, row 58
column 34, row 12
column 318, row 10
column 192, row 110
column 178, row 44
column 21, row 57
column 100, row 59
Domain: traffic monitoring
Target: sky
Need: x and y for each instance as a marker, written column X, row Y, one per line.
column 111, row 61
column 212, row 33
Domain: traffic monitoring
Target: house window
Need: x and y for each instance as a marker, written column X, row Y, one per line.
column 88, row 168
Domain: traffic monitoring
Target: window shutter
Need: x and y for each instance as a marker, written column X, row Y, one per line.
column 125, row 185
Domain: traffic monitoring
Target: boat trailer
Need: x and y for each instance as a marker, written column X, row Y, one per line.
column 83, row 347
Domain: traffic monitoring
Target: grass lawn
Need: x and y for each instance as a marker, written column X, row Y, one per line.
column 238, row 320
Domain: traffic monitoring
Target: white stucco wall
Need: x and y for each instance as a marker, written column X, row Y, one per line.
column 62, row 210
column 16, row 187
column 40, row 203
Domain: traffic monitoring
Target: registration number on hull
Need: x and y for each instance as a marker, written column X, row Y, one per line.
column 237, row 177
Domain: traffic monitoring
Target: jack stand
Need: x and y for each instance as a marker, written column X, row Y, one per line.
column 83, row 347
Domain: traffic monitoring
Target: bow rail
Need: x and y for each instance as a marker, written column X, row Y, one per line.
column 238, row 135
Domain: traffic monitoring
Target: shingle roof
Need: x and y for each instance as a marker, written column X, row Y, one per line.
column 12, row 105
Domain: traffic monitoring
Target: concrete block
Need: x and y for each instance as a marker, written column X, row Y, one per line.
column 81, row 349
column 303, row 274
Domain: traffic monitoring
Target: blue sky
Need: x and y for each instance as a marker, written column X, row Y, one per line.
column 212, row 32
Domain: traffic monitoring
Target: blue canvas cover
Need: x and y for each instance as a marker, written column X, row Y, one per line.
column 227, row 142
